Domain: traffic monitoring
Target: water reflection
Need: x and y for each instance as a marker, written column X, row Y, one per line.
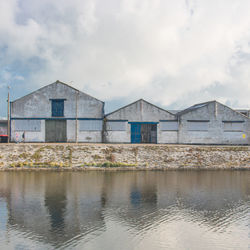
column 143, row 210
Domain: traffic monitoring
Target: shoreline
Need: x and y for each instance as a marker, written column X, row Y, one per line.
column 82, row 169
column 122, row 157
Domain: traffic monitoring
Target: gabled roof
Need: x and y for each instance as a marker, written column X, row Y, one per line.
column 63, row 83
column 194, row 107
column 136, row 102
column 201, row 105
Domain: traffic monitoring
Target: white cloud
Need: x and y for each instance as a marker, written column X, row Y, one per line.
column 169, row 52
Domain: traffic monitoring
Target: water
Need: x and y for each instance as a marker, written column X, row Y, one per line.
column 125, row 210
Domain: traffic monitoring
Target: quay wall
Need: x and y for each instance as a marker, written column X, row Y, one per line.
column 122, row 156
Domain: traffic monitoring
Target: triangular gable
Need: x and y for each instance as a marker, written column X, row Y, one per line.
column 57, row 82
column 140, row 110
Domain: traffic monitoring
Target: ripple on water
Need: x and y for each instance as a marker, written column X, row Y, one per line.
column 153, row 210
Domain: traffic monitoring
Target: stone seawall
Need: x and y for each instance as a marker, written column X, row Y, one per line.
column 122, row 156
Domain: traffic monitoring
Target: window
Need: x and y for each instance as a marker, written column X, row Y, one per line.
column 198, row 125
column 90, row 125
column 28, row 125
column 169, row 125
column 116, row 126
column 233, row 126
column 57, row 107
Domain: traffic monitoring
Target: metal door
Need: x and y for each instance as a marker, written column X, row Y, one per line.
column 55, row 131
column 135, row 133
column 153, row 133
column 148, row 133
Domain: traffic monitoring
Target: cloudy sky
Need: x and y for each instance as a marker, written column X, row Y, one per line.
column 171, row 53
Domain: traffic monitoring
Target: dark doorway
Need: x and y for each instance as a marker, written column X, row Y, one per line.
column 143, row 133
column 55, row 131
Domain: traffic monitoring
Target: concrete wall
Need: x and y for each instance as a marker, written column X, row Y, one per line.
column 38, row 105
column 118, row 136
column 216, row 113
column 140, row 111
column 27, row 136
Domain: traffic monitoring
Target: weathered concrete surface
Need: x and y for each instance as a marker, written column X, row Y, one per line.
column 37, row 106
column 124, row 156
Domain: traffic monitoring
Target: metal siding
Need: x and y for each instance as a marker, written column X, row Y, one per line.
column 169, row 126
column 90, row 125
column 56, row 131
column 135, row 133
column 198, row 126
column 116, row 126
column 233, row 126
column 27, row 125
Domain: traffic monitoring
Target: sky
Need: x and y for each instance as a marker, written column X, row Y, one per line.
column 171, row 53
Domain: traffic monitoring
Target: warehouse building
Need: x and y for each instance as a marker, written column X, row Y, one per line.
column 140, row 122
column 213, row 123
column 57, row 113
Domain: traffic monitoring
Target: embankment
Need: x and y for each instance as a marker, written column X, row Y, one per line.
column 122, row 156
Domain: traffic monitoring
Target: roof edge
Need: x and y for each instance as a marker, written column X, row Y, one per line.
column 136, row 102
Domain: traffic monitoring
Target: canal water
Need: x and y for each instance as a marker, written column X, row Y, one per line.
column 125, row 210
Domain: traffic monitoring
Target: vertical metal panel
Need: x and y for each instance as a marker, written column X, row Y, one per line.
column 28, row 125
column 116, row 126
column 197, row 126
column 135, row 133
column 169, row 126
column 90, row 125
column 55, row 131
column 148, row 133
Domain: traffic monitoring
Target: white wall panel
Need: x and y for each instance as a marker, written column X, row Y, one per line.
column 27, row 125
column 116, row 126
column 90, row 125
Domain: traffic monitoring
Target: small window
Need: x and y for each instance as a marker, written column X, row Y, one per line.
column 28, row 125
column 169, row 125
column 57, row 108
column 116, row 126
column 233, row 126
column 90, row 125
column 198, row 125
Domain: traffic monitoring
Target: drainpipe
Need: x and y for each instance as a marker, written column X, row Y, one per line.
column 8, row 132
column 76, row 125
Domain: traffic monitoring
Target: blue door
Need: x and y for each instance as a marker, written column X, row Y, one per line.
column 135, row 133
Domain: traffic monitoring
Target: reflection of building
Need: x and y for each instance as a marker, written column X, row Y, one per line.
column 58, row 208
column 51, row 206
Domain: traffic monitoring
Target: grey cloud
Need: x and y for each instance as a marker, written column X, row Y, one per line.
column 169, row 52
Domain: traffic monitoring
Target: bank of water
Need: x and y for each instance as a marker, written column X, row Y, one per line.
column 122, row 156
column 125, row 210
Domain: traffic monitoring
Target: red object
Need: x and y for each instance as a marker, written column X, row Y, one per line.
column 3, row 135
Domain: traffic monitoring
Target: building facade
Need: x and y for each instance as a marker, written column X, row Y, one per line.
column 57, row 113
column 212, row 123
column 60, row 113
column 139, row 122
